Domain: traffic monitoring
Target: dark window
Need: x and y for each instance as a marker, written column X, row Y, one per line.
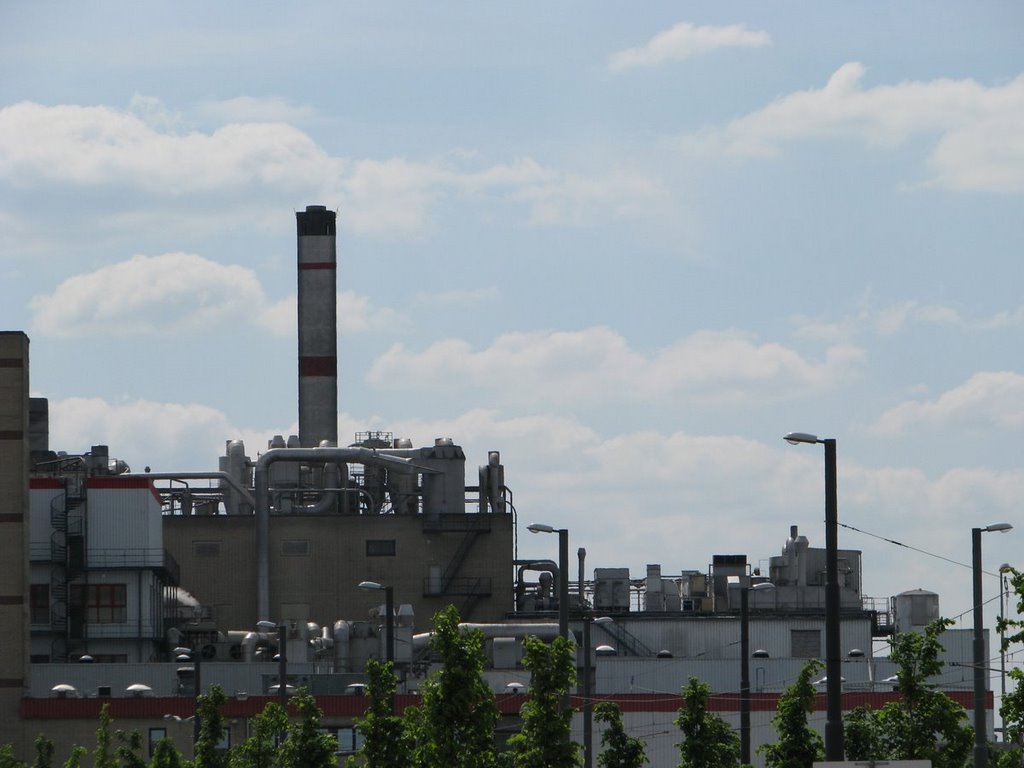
column 295, row 547
column 380, row 547
column 206, row 548
column 39, row 658
column 39, row 603
column 101, row 603
column 806, row 643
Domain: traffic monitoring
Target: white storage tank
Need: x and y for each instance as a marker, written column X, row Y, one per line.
column 915, row 609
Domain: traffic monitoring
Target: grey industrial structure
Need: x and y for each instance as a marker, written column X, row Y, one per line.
column 106, row 575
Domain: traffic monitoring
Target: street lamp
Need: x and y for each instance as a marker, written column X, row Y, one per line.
column 833, row 692
column 563, row 586
column 563, row 572
column 196, row 657
column 980, row 740
column 588, row 688
column 389, row 618
column 745, row 668
column 282, row 658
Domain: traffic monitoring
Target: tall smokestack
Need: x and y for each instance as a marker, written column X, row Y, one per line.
column 318, row 326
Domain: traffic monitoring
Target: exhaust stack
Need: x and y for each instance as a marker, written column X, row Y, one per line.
column 318, row 326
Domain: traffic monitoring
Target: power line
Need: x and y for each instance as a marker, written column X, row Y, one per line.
column 915, row 549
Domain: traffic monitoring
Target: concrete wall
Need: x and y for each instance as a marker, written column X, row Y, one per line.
column 14, row 528
column 326, row 578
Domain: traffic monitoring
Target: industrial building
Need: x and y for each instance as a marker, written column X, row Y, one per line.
column 137, row 588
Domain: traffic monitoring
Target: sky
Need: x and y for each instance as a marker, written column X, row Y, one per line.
column 628, row 246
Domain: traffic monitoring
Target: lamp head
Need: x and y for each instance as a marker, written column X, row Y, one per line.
column 370, row 585
column 998, row 527
column 540, row 528
column 795, row 438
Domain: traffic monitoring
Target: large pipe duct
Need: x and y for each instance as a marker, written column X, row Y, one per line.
column 318, row 326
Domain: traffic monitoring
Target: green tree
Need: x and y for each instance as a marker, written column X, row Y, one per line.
column 385, row 742
column 799, row 745
column 923, row 724
column 543, row 741
column 708, row 741
column 1011, row 708
column 7, row 758
column 44, row 752
column 306, row 745
column 260, row 750
column 619, row 750
column 860, row 736
column 164, row 755
column 454, row 726
column 102, row 756
column 211, row 730
column 75, row 758
column 129, row 749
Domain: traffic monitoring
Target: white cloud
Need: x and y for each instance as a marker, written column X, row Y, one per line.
column 978, row 129
column 684, row 40
column 164, row 436
column 180, row 292
column 157, row 295
column 597, row 364
column 91, row 146
column 141, row 149
column 993, row 398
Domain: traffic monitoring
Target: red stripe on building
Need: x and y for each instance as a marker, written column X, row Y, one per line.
column 11, row 362
column 46, row 482
column 12, row 517
column 12, row 600
column 318, row 265
column 11, row 434
column 508, row 704
column 324, row 365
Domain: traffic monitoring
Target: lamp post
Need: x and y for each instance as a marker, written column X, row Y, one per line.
column 196, row 658
column 745, row 668
column 563, row 572
column 266, row 626
column 588, row 689
column 980, row 735
column 389, row 618
column 834, row 750
column 563, row 586
column 389, row 625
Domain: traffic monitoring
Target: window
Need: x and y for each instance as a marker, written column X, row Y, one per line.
column 156, row 735
column 806, row 643
column 350, row 740
column 101, row 603
column 380, row 547
column 295, row 547
column 39, row 603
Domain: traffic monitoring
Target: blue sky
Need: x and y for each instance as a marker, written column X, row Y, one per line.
column 628, row 246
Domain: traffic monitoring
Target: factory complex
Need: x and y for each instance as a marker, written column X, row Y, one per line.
column 293, row 563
